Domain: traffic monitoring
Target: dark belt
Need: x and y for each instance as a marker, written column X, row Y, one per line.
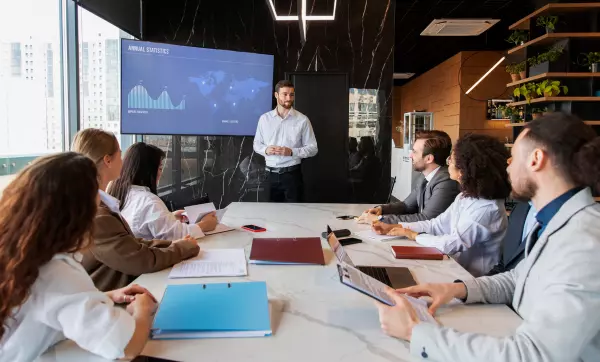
column 281, row 170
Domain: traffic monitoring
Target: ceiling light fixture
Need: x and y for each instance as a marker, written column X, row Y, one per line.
column 485, row 75
column 302, row 17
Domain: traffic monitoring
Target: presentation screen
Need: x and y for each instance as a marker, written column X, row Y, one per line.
column 179, row 90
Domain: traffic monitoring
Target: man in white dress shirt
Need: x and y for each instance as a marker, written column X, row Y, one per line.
column 284, row 137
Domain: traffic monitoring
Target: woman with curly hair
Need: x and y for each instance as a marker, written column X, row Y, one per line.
column 46, row 217
column 471, row 230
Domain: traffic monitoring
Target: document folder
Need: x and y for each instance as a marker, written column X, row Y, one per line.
column 215, row 310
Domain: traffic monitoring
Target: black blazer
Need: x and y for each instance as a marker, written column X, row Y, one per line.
column 512, row 247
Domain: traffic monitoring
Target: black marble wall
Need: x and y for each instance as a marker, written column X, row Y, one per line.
column 360, row 42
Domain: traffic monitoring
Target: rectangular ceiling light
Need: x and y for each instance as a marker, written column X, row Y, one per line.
column 296, row 17
column 458, row 27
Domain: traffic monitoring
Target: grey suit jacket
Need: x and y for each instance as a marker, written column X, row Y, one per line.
column 440, row 193
column 555, row 289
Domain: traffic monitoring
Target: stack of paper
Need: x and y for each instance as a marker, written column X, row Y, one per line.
column 212, row 263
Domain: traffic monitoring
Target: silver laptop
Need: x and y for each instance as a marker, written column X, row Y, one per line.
column 395, row 277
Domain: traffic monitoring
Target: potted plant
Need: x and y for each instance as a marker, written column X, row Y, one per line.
column 518, row 37
column 538, row 112
column 541, row 63
column 527, row 91
column 592, row 60
column 521, row 68
column 512, row 70
column 548, row 22
column 551, row 88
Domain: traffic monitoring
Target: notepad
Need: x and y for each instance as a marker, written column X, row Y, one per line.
column 370, row 234
column 195, row 213
column 216, row 310
column 212, row 263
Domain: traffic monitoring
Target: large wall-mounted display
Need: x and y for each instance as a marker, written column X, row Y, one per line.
column 172, row 89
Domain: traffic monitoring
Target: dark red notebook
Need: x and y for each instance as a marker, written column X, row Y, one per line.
column 417, row 252
column 287, row 251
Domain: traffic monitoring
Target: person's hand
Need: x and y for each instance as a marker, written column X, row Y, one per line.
column 187, row 240
column 440, row 293
column 209, row 222
column 143, row 305
column 374, row 211
column 400, row 231
column 397, row 321
column 272, row 150
column 366, row 218
column 128, row 294
column 285, row 151
column 179, row 215
column 382, row 228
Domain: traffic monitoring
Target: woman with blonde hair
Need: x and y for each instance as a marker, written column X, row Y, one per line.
column 46, row 218
column 117, row 256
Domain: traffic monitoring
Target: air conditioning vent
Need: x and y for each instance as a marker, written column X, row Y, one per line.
column 403, row 75
column 458, row 27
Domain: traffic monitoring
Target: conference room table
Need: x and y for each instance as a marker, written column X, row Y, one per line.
column 313, row 316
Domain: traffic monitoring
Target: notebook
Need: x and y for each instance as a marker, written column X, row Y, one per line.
column 217, row 310
column 212, row 263
column 294, row 251
column 195, row 213
column 417, row 252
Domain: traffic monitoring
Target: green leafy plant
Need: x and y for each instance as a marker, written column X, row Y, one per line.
column 539, row 110
column 551, row 88
column 527, row 90
column 548, row 22
column 551, row 55
column 517, row 37
column 591, row 58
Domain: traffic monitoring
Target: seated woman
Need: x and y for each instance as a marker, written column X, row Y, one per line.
column 46, row 217
column 117, row 257
column 144, row 211
column 471, row 230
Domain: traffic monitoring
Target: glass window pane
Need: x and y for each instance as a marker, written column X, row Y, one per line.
column 189, row 158
column 30, row 82
column 165, row 143
column 100, row 87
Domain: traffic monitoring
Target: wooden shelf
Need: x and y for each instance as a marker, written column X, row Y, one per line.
column 521, row 124
column 597, row 199
column 523, row 24
column 556, row 99
column 555, row 75
column 498, row 119
column 552, row 38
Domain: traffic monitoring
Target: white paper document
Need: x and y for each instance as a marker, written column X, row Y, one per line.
column 212, row 263
column 220, row 214
column 195, row 213
column 372, row 235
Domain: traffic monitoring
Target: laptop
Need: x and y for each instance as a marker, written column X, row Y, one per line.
column 395, row 277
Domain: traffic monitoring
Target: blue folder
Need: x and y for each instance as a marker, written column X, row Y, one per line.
column 213, row 311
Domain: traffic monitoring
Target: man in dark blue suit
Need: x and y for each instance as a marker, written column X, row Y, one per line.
column 520, row 223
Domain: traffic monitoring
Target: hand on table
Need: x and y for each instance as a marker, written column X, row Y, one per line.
column 399, row 320
column 209, row 222
column 190, row 241
column 366, row 218
column 400, row 231
column 374, row 211
column 440, row 293
column 179, row 215
column 128, row 294
column 143, row 305
column 382, row 228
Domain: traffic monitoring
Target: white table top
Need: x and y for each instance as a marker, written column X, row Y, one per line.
column 314, row 317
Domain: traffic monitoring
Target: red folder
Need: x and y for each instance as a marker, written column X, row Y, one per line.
column 287, row 251
column 417, row 252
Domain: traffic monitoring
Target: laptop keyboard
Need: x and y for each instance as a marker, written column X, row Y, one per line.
column 378, row 273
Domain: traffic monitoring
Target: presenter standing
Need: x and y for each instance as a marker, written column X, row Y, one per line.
column 284, row 137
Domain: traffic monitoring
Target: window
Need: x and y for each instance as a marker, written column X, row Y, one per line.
column 30, row 112
column 97, row 31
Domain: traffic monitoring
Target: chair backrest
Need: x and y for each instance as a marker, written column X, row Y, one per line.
column 392, row 183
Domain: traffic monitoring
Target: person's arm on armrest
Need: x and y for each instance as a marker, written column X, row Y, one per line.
column 309, row 143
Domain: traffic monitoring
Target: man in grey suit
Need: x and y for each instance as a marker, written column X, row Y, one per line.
column 434, row 192
column 556, row 287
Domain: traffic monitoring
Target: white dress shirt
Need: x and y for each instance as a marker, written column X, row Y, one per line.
column 529, row 222
column 111, row 202
column 64, row 303
column 470, row 230
column 294, row 131
column 432, row 174
column 149, row 218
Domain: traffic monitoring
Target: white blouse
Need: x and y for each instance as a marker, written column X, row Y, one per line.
column 149, row 218
column 64, row 303
column 470, row 230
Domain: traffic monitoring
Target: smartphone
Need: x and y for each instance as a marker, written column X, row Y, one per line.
column 346, row 217
column 151, row 359
column 349, row 241
column 342, row 233
column 254, row 228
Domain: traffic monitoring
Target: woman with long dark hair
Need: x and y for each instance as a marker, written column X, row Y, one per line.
column 473, row 227
column 117, row 257
column 46, row 217
column 145, row 212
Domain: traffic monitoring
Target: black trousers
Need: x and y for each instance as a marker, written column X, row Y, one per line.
column 286, row 187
